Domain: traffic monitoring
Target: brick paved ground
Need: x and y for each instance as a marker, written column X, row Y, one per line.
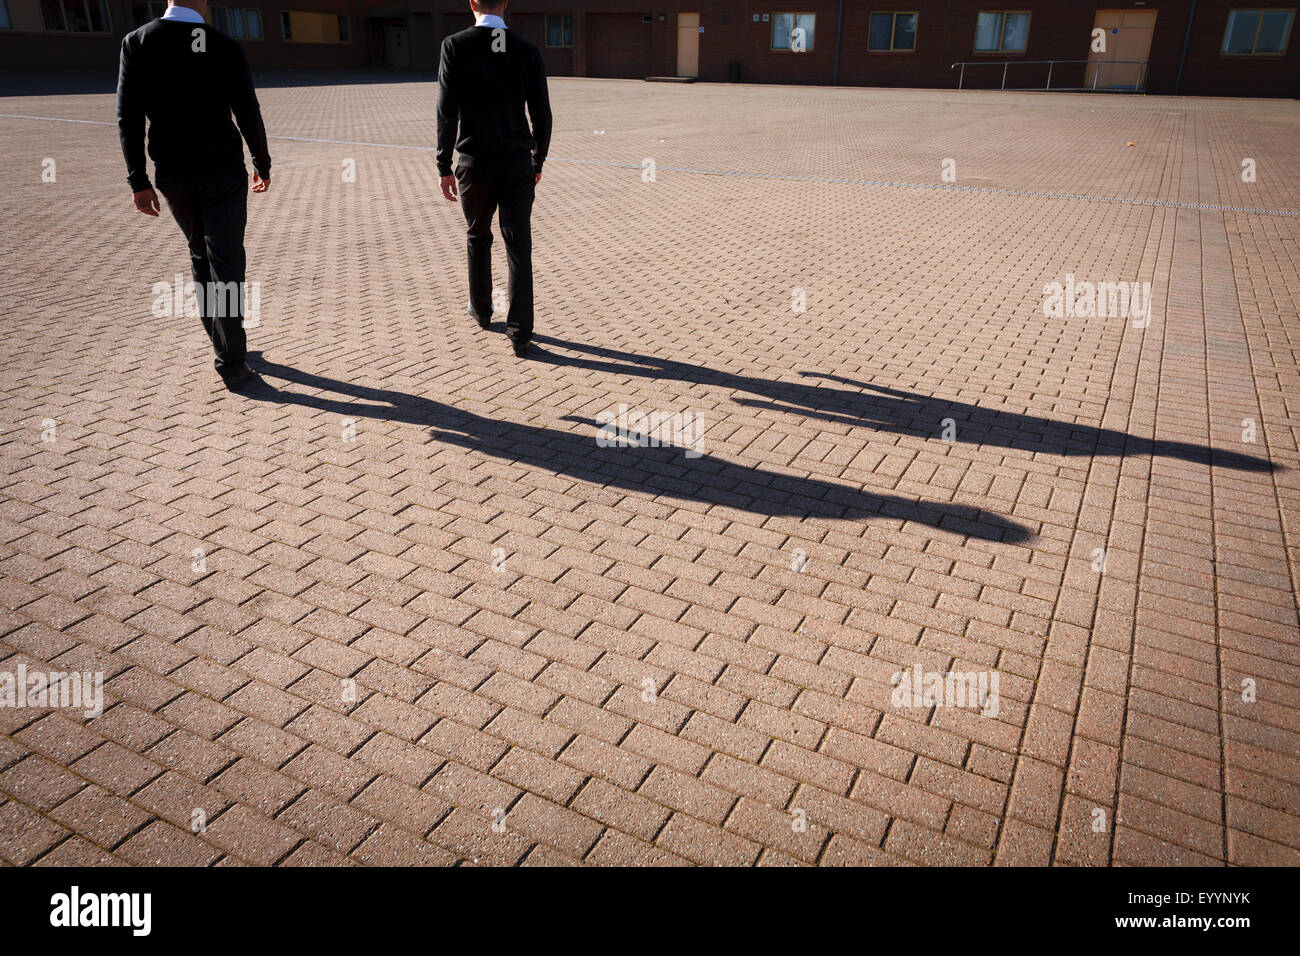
column 638, row 656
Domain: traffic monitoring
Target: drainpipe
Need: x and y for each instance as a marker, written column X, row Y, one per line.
column 1191, row 16
column 839, row 32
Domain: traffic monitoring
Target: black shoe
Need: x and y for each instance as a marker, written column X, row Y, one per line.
column 521, row 346
column 238, row 378
column 482, row 323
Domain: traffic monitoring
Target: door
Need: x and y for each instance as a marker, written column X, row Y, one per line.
column 1128, row 37
column 396, row 52
column 688, row 44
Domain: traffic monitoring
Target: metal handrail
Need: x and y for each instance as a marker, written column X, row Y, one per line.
column 1051, row 65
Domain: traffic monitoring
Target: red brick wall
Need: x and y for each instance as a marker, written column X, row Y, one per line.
column 1059, row 29
column 51, row 51
column 1209, row 73
column 618, row 44
column 81, row 51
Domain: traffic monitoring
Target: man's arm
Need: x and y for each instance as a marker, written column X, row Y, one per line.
column 243, row 103
column 448, row 110
column 539, row 111
column 130, row 118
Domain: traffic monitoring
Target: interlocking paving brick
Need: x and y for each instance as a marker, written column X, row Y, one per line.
column 468, row 633
column 161, row 844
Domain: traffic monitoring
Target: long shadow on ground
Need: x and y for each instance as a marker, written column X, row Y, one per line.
column 652, row 470
column 893, row 410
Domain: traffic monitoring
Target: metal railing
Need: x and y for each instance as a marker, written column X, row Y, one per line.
column 1141, row 73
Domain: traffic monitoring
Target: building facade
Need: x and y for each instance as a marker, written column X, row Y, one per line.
column 1195, row 47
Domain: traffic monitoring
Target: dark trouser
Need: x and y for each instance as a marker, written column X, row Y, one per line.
column 212, row 210
column 485, row 188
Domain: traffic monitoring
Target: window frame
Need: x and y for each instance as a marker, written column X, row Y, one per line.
column 796, row 14
column 225, row 12
column 147, row 9
column 105, row 8
column 149, row 15
column 546, row 31
column 1286, row 39
column 893, row 27
column 1002, row 32
column 329, row 24
column 245, row 36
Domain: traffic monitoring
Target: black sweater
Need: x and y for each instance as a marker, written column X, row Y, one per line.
column 483, row 91
column 188, row 95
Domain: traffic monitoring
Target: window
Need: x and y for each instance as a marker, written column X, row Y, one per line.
column 892, row 33
column 52, row 10
column 229, row 20
column 75, row 12
column 242, row 23
column 1257, row 32
column 143, row 12
column 559, row 29
column 1002, row 33
column 5, row 23
column 76, row 16
column 793, row 32
column 303, row 27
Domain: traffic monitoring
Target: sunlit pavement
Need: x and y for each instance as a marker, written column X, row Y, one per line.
column 404, row 602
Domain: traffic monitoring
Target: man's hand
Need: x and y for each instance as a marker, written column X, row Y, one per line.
column 537, row 179
column 146, row 201
column 261, row 185
column 448, row 184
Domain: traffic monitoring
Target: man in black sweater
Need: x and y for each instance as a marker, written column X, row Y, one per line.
column 188, row 78
column 486, row 76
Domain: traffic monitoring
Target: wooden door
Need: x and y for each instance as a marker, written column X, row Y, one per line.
column 1128, row 37
column 688, row 44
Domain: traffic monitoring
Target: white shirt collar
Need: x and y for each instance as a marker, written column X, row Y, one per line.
column 184, row 14
column 489, row 20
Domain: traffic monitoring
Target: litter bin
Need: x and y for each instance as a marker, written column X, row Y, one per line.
column 733, row 72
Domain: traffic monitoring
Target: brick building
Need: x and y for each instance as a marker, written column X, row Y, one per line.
column 1202, row 47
